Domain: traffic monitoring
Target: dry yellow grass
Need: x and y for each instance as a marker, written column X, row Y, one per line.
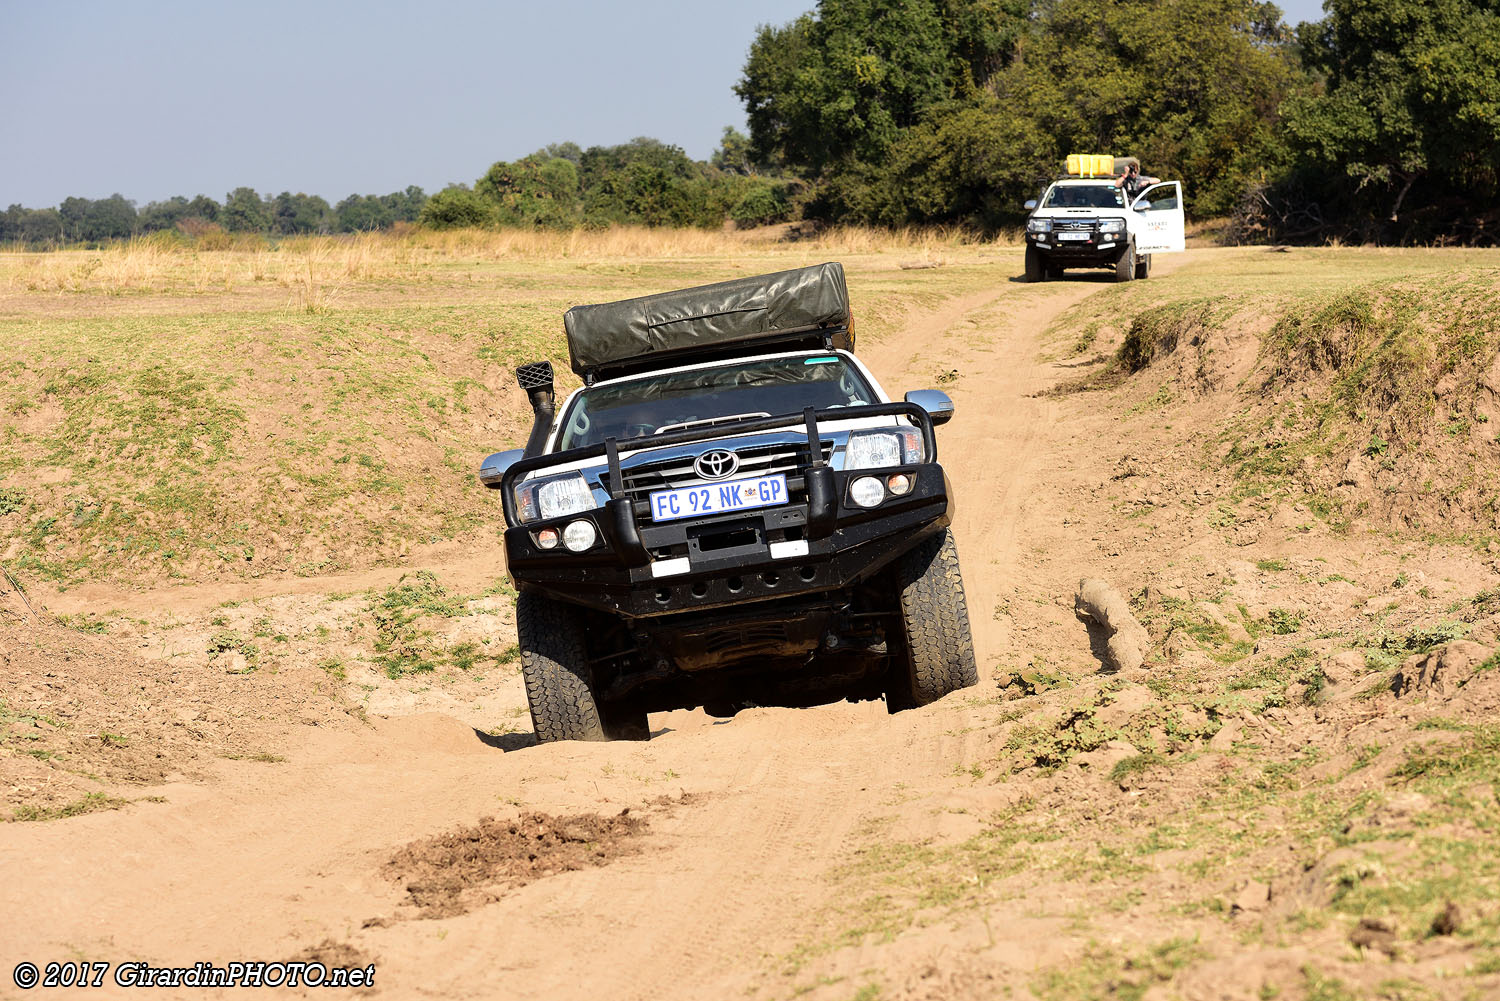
column 309, row 267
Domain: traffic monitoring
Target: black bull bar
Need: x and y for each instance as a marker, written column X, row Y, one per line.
column 822, row 501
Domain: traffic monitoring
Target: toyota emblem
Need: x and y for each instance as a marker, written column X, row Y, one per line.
column 717, row 463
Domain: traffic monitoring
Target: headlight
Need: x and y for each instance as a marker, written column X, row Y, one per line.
column 579, row 535
column 866, row 491
column 554, row 497
column 1038, row 225
column 1111, row 225
column 887, row 447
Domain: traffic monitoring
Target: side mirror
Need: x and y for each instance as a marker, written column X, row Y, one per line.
column 1030, row 204
column 492, row 470
column 936, row 402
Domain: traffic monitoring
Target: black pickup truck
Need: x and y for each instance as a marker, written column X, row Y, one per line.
column 729, row 512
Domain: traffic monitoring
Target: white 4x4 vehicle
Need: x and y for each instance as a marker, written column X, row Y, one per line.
column 1087, row 222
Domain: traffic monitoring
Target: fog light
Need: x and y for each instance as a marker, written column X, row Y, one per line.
column 548, row 538
column 866, row 491
column 898, row 484
column 579, row 535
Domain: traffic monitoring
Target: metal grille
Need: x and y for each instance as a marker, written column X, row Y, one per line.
column 1074, row 224
column 534, row 375
column 755, row 460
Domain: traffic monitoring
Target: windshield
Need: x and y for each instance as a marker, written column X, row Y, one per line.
column 1084, row 196
column 768, row 387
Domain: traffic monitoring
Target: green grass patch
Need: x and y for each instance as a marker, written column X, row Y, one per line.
column 91, row 803
column 1106, row 974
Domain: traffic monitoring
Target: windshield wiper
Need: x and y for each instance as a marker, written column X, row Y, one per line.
column 709, row 422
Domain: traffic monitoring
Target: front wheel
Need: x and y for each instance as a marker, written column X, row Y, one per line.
column 1036, row 268
column 554, row 666
column 1125, row 266
column 938, row 658
column 1143, row 267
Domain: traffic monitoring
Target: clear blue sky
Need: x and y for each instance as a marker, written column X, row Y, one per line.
column 172, row 97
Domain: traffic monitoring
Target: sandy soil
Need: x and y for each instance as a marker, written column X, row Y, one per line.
column 781, row 853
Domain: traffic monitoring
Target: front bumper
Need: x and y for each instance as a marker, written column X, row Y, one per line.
column 1098, row 250
column 702, row 563
column 820, row 541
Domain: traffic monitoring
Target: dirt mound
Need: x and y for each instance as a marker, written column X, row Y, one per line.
column 83, row 721
column 333, row 954
column 453, row 873
column 1444, row 670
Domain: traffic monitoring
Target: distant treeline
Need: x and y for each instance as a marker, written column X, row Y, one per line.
column 84, row 220
column 1379, row 122
column 641, row 182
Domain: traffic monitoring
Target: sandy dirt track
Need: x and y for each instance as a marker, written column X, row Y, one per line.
column 268, row 859
column 736, row 889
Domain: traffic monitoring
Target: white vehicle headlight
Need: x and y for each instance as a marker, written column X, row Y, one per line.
column 1111, row 225
column 866, row 491
column 554, row 497
column 1038, row 225
column 579, row 535
column 886, row 447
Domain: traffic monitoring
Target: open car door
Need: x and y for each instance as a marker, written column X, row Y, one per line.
column 1163, row 224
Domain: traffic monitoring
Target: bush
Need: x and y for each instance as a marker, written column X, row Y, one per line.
column 457, row 208
column 761, row 206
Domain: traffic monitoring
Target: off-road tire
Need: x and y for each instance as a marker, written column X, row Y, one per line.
column 1125, row 266
column 1036, row 268
column 554, row 666
column 939, row 650
column 1143, row 267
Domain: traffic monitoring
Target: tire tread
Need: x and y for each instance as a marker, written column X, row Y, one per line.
column 934, row 610
column 554, row 667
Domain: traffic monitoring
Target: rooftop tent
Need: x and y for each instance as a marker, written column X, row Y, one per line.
column 672, row 328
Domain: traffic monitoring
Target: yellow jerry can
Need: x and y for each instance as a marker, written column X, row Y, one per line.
column 1091, row 164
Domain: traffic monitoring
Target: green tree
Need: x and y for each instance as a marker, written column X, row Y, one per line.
column 840, row 86
column 203, row 207
column 1411, row 93
column 643, row 181
column 112, row 218
column 456, row 207
column 244, row 212
column 299, row 214
column 733, row 154
column 535, row 191
column 761, row 205
column 982, row 37
column 361, row 213
column 156, row 216
column 974, row 161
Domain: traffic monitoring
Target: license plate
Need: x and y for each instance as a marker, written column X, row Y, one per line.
column 1074, row 236
column 718, row 498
